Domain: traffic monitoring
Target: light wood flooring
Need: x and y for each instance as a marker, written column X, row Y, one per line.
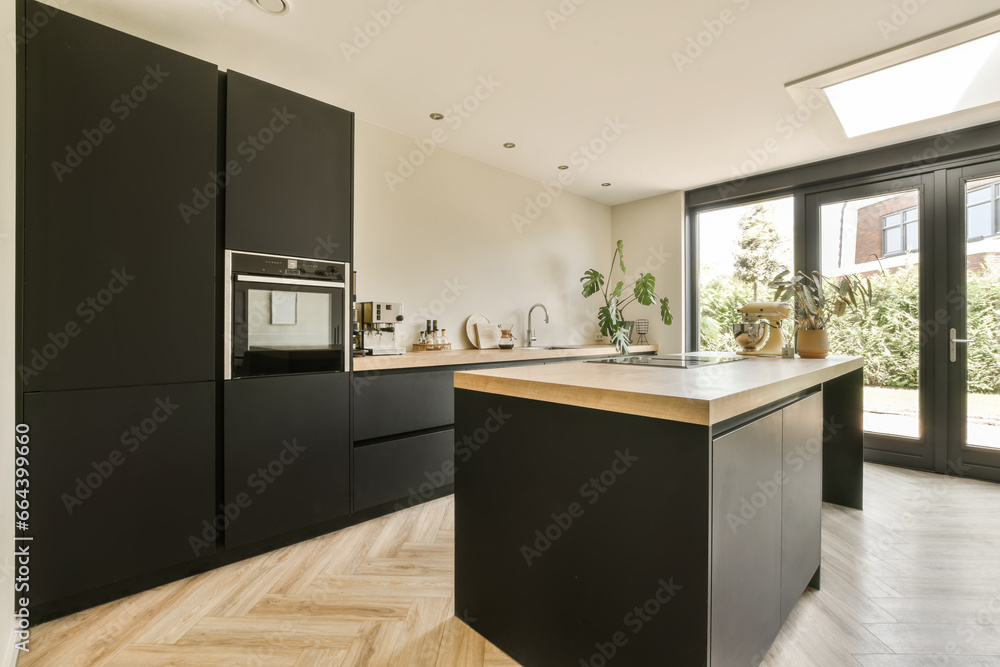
column 913, row 580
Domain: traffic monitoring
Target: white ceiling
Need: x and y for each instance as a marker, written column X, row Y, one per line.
column 558, row 86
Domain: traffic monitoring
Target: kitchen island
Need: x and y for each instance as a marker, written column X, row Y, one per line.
column 629, row 515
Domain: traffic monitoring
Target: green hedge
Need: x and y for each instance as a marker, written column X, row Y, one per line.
column 891, row 337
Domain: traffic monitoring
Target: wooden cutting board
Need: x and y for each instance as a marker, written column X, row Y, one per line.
column 489, row 336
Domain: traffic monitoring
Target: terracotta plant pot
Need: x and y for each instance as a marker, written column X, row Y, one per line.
column 813, row 343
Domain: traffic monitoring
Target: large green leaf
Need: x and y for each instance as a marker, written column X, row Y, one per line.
column 668, row 318
column 621, row 256
column 618, row 289
column 644, row 287
column 592, row 281
column 606, row 317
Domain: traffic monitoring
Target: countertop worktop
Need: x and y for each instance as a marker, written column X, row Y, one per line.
column 704, row 396
column 466, row 357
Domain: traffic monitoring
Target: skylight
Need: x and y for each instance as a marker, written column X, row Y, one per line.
column 949, row 80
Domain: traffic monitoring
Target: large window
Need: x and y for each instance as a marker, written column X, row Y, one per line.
column 740, row 250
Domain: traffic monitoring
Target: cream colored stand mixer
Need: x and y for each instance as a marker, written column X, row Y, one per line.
column 762, row 321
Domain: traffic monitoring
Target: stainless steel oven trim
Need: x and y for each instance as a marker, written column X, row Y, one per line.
column 289, row 281
column 227, row 318
column 227, row 315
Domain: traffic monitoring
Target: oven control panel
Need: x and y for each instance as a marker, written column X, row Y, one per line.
column 299, row 267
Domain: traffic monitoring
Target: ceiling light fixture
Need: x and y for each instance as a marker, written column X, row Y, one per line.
column 437, row 116
column 563, row 166
column 945, row 73
column 508, row 145
column 605, row 185
column 273, row 7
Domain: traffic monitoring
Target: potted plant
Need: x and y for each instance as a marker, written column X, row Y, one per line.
column 613, row 324
column 815, row 304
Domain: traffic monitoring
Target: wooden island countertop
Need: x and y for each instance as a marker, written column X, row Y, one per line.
column 705, row 396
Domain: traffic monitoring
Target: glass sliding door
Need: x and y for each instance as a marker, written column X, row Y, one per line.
column 879, row 233
column 740, row 249
column 972, row 329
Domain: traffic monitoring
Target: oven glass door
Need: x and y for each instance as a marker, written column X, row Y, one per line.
column 283, row 326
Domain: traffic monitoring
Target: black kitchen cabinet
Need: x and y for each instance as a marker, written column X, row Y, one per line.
column 411, row 468
column 287, row 454
column 120, row 229
column 289, row 159
column 399, row 402
column 122, row 483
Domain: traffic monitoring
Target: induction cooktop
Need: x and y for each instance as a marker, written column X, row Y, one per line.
column 667, row 360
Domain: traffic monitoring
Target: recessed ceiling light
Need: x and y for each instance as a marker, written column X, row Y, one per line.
column 563, row 166
column 605, row 185
column 437, row 116
column 275, row 7
column 508, row 145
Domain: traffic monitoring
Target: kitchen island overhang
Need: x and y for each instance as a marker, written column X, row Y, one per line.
column 647, row 516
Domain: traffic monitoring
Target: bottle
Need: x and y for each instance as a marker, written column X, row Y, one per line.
column 423, row 337
column 436, row 341
column 444, row 337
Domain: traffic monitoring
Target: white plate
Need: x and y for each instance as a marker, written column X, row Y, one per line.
column 470, row 328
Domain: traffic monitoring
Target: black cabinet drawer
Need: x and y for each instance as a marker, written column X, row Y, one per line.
column 120, row 141
column 287, row 453
column 293, row 191
column 121, row 481
column 409, row 468
column 396, row 403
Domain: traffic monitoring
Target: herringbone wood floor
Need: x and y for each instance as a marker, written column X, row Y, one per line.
column 914, row 580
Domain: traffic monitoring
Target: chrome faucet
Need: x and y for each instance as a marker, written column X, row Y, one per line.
column 531, row 332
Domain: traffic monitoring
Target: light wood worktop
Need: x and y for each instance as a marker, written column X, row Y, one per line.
column 467, row 357
column 706, row 395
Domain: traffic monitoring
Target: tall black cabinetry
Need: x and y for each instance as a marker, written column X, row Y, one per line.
column 118, row 361
column 290, row 160
column 120, row 136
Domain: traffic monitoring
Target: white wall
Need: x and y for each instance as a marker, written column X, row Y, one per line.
column 7, row 245
column 443, row 243
column 653, row 232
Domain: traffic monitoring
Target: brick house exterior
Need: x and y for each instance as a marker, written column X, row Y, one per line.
column 869, row 231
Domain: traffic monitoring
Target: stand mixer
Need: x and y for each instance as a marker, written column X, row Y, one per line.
column 762, row 321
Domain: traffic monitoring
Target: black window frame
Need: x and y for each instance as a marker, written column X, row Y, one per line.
column 904, row 245
column 994, row 205
column 928, row 160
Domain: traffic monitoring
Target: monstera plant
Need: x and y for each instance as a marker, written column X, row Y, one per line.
column 613, row 324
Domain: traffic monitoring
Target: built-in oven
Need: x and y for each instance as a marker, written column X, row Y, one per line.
column 285, row 315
